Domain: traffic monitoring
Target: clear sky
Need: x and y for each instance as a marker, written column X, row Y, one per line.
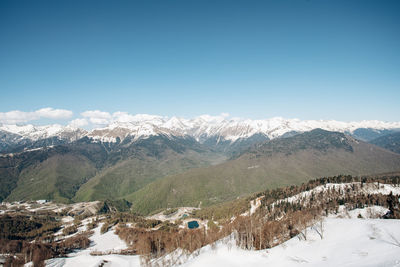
column 254, row 59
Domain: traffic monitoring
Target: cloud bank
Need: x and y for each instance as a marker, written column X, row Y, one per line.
column 17, row 116
column 97, row 118
column 87, row 119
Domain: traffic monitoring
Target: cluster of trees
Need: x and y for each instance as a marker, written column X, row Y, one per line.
column 152, row 244
column 92, row 224
column 137, row 221
column 22, row 251
column 223, row 211
column 273, row 195
column 26, row 227
column 70, row 230
column 30, row 236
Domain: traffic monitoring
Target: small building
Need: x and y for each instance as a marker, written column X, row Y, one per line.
column 193, row 225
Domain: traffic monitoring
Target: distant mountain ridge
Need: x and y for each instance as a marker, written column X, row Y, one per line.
column 215, row 131
column 17, row 138
column 389, row 141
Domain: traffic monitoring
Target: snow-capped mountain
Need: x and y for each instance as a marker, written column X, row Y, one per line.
column 22, row 137
column 201, row 128
column 35, row 133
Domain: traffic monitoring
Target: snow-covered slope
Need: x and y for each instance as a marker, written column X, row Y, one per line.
column 201, row 128
column 346, row 242
column 35, row 133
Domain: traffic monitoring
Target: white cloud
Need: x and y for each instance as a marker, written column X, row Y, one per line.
column 100, row 118
column 97, row 117
column 91, row 118
column 77, row 123
column 120, row 116
column 123, row 116
column 51, row 113
column 17, row 116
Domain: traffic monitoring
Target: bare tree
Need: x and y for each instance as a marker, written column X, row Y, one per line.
column 319, row 227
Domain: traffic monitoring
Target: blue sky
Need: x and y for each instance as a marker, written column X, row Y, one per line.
column 254, row 59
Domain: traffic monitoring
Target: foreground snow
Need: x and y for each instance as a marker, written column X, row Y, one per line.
column 346, row 242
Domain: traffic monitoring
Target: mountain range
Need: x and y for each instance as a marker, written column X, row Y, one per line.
column 216, row 130
column 156, row 162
